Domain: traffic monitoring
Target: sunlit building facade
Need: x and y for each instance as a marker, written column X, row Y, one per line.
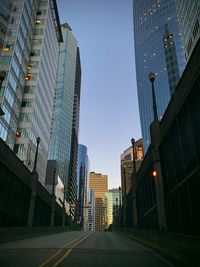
column 127, row 164
column 189, row 19
column 158, row 48
column 99, row 183
column 113, row 202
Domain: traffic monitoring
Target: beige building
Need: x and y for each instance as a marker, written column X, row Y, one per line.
column 99, row 183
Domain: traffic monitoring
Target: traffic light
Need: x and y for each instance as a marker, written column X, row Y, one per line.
column 154, row 174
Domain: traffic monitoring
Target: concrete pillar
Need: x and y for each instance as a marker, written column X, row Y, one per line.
column 31, row 210
column 135, row 217
column 155, row 141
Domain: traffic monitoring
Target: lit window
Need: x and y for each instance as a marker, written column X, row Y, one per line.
column 28, row 76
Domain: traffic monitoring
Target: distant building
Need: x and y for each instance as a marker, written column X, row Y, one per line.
column 159, row 49
column 99, row 183
column 113, row 202
column 127, row 164
column 91, row 212
column 82, row 185
column 189, row 19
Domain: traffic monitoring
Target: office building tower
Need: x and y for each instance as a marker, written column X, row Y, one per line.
column 82, row 185
column 72, row 174
column 113, row 204
column 99, row 183
column 127, row 164
column 91, row 211
column 158, row 48
column 62, row 122
column 32, row 39
column 188, row 13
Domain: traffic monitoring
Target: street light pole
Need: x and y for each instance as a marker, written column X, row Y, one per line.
column 36, row 153
column 133, row 184
column 2, row 78
column 152, row 77
column 34, row 188
column 53, row 198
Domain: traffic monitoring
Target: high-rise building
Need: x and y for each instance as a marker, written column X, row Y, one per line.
column 30, row 60
column 113, row 204
column 188, row 13
column 82, row 184
column 99, row 183
column 72, row 174
column 127, row 164
column 63, row 108
column 158, row 48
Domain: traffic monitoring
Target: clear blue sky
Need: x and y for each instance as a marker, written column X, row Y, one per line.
column 109, row 115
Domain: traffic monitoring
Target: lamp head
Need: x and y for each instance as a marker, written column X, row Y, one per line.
column 132, row 141
column 152, row 76
column 38, row 140
column 2, row 75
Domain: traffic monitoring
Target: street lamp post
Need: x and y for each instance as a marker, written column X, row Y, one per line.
column 133, row 184
column 152, row 77
column 36, row 153
column 34, row 187
column 2, row 78
column 125, row 198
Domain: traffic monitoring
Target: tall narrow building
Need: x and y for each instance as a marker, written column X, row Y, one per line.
column 72, row 174
column 189, row 19
column 159, row 49
column 67, row 96
column 82, row 184
column 99, row 183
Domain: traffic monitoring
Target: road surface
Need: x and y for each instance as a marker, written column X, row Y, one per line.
column 79, row 249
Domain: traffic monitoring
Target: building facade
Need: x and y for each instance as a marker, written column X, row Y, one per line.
column 82, row 185
column 30, row 54
column 99, row 183
column 189, row 20
column 91, row 211
column 5, row 8
column 61, row 126
column 127, row 165
column 113, row 202
column 158, row 48
column 72, row 174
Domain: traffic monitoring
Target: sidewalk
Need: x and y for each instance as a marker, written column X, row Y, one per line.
column 182, row 248
column 8, row 234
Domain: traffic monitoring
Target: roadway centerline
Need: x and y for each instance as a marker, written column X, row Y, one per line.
column 62, row 248
column 69, row 251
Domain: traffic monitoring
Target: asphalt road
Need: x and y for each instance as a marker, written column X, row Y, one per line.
column 79, row 249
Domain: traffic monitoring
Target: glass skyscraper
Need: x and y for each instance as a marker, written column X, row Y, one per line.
column 62, row 122
column 30, row 57
column 189, row 19
column 82, row 181
column 158, row 48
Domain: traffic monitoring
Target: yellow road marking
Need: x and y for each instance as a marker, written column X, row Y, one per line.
column 68, row 252
column 54, row 255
